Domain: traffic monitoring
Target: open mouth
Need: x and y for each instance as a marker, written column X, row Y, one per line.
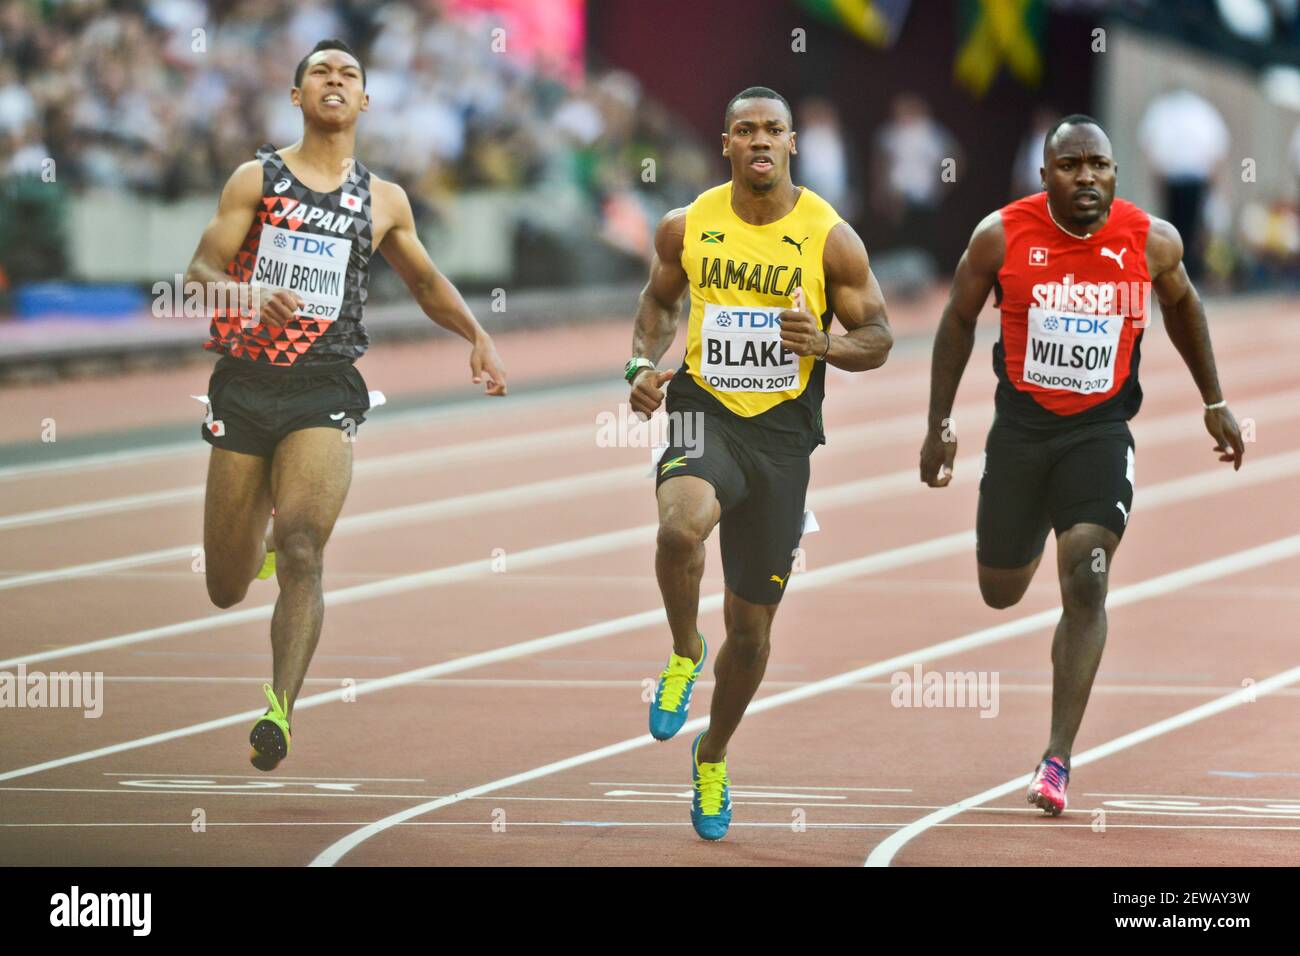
column 332, row 99
column 1087, row 199
column 761, row 163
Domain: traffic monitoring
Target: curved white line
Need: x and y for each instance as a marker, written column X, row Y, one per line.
column 1154, row 587
column 887, row 849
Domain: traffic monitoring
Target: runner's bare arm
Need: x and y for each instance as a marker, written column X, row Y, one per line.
column 976, row 273
column 221, row 241
column 1185, row 321
column 440, row 300
column 854, row 296
column 657, row 311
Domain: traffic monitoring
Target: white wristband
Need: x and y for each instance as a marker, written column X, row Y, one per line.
column 1210, row 408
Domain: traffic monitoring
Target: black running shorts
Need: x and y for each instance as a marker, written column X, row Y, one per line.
column 761, row 487
column 250, row 409
column 1034, row 482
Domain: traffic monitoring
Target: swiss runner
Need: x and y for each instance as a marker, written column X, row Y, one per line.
column 1070, row 268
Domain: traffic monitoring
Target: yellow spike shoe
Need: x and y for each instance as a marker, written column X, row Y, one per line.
column 270, row 737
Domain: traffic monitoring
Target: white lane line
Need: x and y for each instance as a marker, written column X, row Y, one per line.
column 212, row 792
column 250, row 776
column 832, row 574
column 1278, row 406
column 1144, row 590
column 492, row 683
column 1156, row 432
column 459, row 411
column 762, row 786
column 456, row 573
column 426, row 459
column 848, row 494
column 1246, row 366
column 481, row 450
column 780, row 825
column 886, row 850
column 556, row 489
column 909, row 554
column 1198, row 796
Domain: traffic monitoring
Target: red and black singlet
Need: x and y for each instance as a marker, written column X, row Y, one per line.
column 317, row 245
column 1073, row 310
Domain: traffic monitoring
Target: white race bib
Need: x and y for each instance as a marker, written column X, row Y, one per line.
column 313, row 267
column 1072, row 352
column 741, row 351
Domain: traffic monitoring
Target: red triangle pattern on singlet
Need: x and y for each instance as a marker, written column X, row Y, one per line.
column 235, row 334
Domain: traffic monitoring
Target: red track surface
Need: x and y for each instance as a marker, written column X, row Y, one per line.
column 818, row 780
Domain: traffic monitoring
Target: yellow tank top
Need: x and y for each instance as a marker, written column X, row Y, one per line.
column 742, row 277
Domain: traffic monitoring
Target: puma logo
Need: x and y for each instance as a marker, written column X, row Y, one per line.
column 1117, row 256
column 798, row 245
column 336, row 416
column 779, row 580
column 1123, row 511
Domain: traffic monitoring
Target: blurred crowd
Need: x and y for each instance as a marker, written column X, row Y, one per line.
column 1229, row 242
column 166, row 97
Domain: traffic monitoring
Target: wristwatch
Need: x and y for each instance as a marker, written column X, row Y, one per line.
column 635, row 365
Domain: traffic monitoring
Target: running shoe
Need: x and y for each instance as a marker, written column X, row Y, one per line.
column 270, row 735
column 711, row 801
column 1048, row 788
column 672, row 697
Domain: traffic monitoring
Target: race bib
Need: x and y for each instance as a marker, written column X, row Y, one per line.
column 741, row 351
column 1072, row 352
column 313, row 267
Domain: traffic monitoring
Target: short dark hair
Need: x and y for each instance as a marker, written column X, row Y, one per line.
column 1074, row 119
column 331, row 44
column 755, row 93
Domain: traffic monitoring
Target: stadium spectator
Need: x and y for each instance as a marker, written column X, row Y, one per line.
column 910, row 153
column 1185, row 141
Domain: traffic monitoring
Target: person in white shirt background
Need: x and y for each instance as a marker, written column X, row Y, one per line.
column 1185, row 140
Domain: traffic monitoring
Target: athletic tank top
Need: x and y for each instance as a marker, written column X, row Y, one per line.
column 317, row 245
column 1073, row 310
column 742, row 278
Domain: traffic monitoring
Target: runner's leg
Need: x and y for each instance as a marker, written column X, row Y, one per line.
column 1083, row 556
column 1090, row 496
column 738, row 671
column 688, row 512
column 758, row 542
column 310, row 476
column 1003, row 587
column 1012, row 520
column 236, row 506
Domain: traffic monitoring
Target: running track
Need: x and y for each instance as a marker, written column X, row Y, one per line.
column 498, row 714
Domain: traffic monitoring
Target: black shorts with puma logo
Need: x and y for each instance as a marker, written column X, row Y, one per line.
column 760, row 485
column 250, row 408
column 1033, row 483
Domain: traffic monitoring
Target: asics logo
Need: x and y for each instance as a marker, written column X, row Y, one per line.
column 281, row 186
column 1117, row 256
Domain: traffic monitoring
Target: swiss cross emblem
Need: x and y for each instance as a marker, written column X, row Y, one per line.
column 1037, row 256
